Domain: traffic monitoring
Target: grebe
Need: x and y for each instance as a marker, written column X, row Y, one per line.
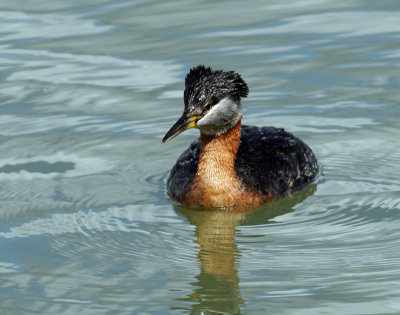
column 230, row 164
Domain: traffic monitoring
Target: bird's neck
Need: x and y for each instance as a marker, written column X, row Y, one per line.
column 219, row 151
column 215, row 182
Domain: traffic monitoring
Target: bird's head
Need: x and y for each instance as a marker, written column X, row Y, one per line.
column 212, row 102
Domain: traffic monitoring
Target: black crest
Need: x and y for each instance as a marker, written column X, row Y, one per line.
column 206, row 85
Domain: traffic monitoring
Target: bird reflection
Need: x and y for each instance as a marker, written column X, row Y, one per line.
column 217, row 284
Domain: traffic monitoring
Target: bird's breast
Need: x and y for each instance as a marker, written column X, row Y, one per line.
column 216, row 183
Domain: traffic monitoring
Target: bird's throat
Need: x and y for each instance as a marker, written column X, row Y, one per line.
column 218, row 152
column 215, row 183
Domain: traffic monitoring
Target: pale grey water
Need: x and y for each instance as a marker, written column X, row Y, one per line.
column 89, row 88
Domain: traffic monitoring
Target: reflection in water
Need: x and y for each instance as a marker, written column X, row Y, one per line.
column 217, row 285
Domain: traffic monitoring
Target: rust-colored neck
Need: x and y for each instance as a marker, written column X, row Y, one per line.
column 215, row 183
column 220, row 149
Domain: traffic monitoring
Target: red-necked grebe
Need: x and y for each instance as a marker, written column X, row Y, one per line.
column 231, row 164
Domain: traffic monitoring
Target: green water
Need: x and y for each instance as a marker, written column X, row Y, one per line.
column 89, row 88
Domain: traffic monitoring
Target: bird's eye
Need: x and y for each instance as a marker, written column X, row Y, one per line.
column 207, row 107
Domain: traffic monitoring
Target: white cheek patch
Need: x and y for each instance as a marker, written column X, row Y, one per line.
column 222, row 116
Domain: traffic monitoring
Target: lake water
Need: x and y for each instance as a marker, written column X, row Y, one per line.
column 89, row 88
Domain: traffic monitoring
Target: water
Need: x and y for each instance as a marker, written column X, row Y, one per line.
column 88, row 90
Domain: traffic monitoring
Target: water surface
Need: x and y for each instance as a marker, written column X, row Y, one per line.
column 87, row 92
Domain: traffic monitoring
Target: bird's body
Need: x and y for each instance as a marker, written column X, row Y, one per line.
column 233, row 165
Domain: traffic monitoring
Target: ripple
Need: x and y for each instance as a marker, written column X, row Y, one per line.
column 309, row 124
column 50, row 66
column 103, row 71
column 359, row 221
column 6, row 268
column 124, row 219
column 353, row 241
column 17, row 125
column 349, row 186
column 117, row 240
column 340, row 23
column 18, row 26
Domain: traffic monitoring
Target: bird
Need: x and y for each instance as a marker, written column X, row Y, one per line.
column 231, row 164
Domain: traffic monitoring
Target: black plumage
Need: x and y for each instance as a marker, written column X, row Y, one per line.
column 269, row 160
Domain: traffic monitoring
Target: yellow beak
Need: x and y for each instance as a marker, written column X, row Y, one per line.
column 184, row 123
